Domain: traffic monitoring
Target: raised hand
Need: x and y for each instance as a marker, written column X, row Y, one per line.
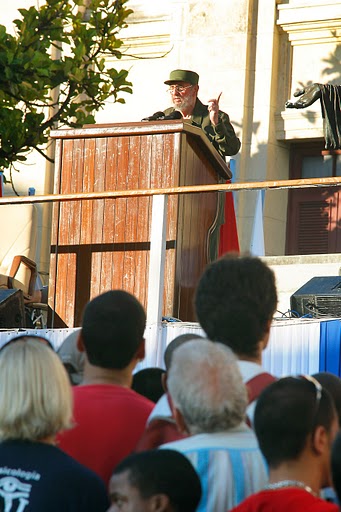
column 213, row 108
column 308, row 95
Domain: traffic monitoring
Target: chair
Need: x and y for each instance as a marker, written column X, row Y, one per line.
column 18, row 269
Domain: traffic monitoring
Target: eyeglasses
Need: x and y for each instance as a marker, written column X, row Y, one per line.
column 178, row 88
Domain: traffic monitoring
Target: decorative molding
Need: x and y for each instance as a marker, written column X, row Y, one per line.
column 298, row 124
column 151, row 46
column 311, row 24
column 148, row 34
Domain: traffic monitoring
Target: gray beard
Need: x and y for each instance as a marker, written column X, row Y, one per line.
column 186, row 104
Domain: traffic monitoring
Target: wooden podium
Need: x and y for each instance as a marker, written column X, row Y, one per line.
column 104, row 244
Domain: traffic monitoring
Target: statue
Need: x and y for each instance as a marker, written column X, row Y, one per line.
column 330, row 97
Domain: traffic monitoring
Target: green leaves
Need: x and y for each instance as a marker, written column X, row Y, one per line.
column 56, row 50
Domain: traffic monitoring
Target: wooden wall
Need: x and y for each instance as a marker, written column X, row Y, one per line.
column 104, row 244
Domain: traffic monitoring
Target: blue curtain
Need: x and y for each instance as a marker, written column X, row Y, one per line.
column 330, row 347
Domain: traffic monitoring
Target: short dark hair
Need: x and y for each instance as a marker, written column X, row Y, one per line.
column 175, row 343
column 287, row 411
column 112, row 329
column 148, row 382
column 336, row 465
column 164, row 472
column 235, row 299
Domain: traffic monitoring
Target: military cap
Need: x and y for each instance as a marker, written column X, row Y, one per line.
column 183, row 75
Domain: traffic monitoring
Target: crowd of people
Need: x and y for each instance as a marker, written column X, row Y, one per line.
column 211, row 431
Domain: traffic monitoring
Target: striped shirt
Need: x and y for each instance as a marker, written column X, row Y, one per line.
column 230, row 466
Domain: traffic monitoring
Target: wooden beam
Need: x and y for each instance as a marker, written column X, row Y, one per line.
column 229, row 187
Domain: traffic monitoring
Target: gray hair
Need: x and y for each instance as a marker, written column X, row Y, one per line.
column 206, row 386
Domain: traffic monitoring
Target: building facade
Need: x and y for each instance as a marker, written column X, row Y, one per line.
column 257, row 53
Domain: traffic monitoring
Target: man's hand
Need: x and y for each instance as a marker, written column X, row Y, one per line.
column 308, row 95
column 213, row 108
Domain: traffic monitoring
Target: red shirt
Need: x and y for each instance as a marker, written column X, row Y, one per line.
column 290, row 499
column 109, row 420
column 158, row 432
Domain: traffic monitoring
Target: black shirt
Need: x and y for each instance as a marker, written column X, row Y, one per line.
column 39, row 477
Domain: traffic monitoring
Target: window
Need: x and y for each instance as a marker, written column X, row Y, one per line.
column 313, row 220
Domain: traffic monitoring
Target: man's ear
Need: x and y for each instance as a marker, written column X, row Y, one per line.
column 264, row 342
column 141, row 350
column 80, row 342
column 159, row 503
column 179, row 420
column 268, row 326
column 320, row 440
column 164, row 382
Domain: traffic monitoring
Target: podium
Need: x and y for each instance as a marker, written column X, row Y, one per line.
column 103, row 244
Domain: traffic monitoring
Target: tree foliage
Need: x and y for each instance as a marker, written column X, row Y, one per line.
column 57, row 59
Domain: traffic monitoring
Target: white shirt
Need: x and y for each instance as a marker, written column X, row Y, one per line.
column 248, row 369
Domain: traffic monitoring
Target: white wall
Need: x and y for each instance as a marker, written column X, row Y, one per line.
column 292, row 272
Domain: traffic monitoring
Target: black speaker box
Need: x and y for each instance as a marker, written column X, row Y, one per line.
column 321, row 296
column 12, row 309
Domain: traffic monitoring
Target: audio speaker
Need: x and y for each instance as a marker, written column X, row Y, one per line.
column 319, row 297
column 12, row 309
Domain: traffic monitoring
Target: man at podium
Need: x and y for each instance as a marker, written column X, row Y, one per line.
column 183, row 89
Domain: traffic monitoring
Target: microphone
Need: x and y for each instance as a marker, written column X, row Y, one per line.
column 173, row 115
column 160, row 116
column 154, row 117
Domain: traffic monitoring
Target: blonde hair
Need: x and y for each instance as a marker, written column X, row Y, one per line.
column 35, row 393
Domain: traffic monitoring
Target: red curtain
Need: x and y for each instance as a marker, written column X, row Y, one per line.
column 228, row 232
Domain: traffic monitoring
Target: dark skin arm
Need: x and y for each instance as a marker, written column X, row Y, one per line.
column 308, row 96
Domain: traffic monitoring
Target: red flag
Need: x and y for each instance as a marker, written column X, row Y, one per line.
column 228, row 232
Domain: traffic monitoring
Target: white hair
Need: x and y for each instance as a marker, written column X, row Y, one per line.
column 206, row 386
column 35, row 393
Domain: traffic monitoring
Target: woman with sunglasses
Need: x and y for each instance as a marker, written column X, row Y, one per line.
column 35, row 404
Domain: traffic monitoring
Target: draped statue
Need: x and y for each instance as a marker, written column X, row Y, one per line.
column 330, row 98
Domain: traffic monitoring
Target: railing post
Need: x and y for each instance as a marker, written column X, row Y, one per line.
column 157, row 257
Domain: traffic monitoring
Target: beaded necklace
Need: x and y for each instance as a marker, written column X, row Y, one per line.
column 290, row 483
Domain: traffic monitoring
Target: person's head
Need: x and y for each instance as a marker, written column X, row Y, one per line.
column 206, row 387
column 35, row 392
column 154, row 481
column 175, row 343
column 336, row 465
column 112, row 330
column 171, row 347
column 72, row 358
column 148, row 382
column 295, row 419
column 183, row 89
column 332, row 383
column 235, row 301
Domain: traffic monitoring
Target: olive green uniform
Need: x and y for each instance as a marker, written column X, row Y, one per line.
column 222, row 135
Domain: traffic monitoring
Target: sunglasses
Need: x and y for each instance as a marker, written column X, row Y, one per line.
column 318, row 393
column 25, row 337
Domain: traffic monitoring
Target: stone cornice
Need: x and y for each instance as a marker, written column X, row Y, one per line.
column 311, row 24
column 148, row 33
column 298, row 124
